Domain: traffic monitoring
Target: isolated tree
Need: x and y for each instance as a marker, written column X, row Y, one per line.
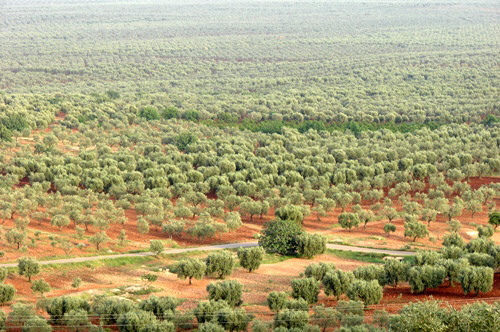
column 7, row 293
column 13, row 236
column 318, row 270
column 305, row 288
column 426, row 276
column 190, row 268
column 280, row 237
column 156, row 246
column 494, row 218
column 348, row 220
column 251, row 258
column 369, row 292
column 229, row 291
column 276, row 301
column 389, row 228
column 28, row 267
column 309, row 245
column 98, row 239
column 415, row 230
column 220, row 264
column 40, row 286
column 395, row 271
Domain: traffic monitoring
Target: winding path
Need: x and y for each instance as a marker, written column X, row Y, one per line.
column 210, row 248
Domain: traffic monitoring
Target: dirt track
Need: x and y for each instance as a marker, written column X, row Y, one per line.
column 209, row 248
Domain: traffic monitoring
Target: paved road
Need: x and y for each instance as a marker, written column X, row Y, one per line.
column 209, row 248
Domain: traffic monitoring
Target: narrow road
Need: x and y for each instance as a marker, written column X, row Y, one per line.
column 210, row 248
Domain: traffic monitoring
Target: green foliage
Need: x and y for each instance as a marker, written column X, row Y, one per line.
column 425, row 316
column 206, row 310
column 229, row 291
column 494, row 218
column 389, row 228
column 290, row 213
column 40, row 286
column 475, row 279
column 415, row 230
column 149, row 113
column 426, row 276
column 371, row 272
column 7, row 293
column 309, row 245
column 233, row 319
column 251, row 258
column 453, row 239
column 162, row 307
column 37, row 324
column 336, row 282
column 280, row 237
column 291, row 319
column 59, row 306
column 210, row 327
column 305, row 288
column 190, row 268
column 395, row 271
column 369, row 292
column 77, row 320
column 110, row 308
column 156, row 246
column 318, row 270
column 136, row 321
column 220, row 264
column 3, row 274
column 349, row 220
column 276, row 301
column 28, row 267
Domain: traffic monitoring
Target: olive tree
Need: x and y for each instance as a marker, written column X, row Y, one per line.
column 280, row 237
column 28, row 267
column 276, row 301
column 348, row 220
column 336, row 282
column 426, row 276
column 229, row 291
column 415, row 230
column 494, row 219
column 156, row 246
column 190, row 268
column 220, row 264
column 475, row 279
column 395, row 271
column 7, row 293
column 40, row 286
column 305, row 288
column 369, row 292
column 251, row 258
column 389, row 228
column 318, row 270
column 309, row 245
